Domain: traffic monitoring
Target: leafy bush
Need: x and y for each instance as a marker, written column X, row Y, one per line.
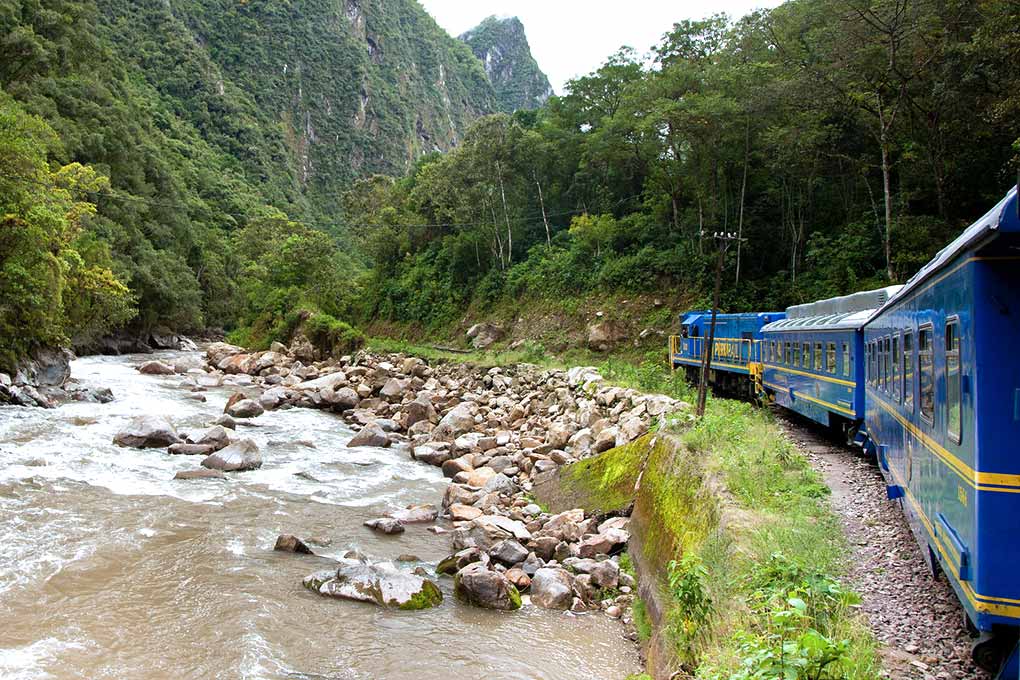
column 331, row 336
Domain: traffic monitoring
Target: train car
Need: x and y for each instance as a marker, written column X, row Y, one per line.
column 813, row 359
column 736, row 358
column 943, row 416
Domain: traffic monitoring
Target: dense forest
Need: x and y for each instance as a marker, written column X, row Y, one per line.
column 195, row 163
column 202, row 117
column 846, row 140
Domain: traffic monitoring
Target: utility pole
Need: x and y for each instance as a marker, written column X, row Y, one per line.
column 723, row 242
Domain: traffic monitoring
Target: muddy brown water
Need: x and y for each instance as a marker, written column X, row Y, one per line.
column 110, row 569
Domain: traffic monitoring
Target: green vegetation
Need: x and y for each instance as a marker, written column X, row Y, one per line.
column 503, row 47
column 846, row 145
column 732, row 525
column 55, row 276
column 200, row 114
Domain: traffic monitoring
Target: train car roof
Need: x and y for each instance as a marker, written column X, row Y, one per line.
column 847, row 312
column 695, row 315
column 1003, row 217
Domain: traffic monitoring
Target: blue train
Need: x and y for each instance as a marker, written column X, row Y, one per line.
column 924, row 377
column 736, row 358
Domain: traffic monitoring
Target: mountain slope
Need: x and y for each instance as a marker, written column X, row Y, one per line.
column 503, row 48
column 204, row 112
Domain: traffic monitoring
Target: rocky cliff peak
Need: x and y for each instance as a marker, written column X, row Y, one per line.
column 502, row 46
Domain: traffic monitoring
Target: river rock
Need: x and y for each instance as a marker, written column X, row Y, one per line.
column 44, row 367
column 460, row 559
column 483, row 335
column 184, row 449
column 478, row 585
column 292, row 544
column 340, row 399
column 455, row 423
column 552, row 589
column 199, row 474
column 454, row 466
column 479, row 477
column 385, row 525
column 519, row 578
column 370, row 435
column 156, row 368
column 215, row 437
column 603, row 543
column 419, row 410
column 433, row 453
column 463, row 513
column 377, row 584
column 147, row 432
column 245, row 408
column 415, row 514
column 240, row 456
column 605, row 574
column 508, row 552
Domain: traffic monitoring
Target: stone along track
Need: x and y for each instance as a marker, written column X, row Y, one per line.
column 915, row 616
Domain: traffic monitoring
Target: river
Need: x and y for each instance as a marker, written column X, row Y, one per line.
column 111, row 569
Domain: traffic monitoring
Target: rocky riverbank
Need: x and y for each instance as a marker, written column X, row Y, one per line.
column 494, row 432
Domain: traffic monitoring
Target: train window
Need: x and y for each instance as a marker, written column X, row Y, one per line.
column 846, row 360
column 926, row 372
column 807, row 355
column 830, row 358
column 908, row 371
column 787, row 354
column 889, row 366
column 894, row 356
column 954, row 421
column 818, row 357
column 880, row 373
column 796, row 354
column 870, row 368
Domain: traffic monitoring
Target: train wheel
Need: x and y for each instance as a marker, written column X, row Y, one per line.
column 991, row 650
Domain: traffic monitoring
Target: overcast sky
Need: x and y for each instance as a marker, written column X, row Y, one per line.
column 571, row 38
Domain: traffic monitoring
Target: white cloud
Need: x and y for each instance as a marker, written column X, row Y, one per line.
column 571, row 38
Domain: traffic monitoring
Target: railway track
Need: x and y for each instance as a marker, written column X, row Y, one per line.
column 916, row 617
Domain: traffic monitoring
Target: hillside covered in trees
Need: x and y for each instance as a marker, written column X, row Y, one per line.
column 195, row 163
column 200, row 118
column 846, row 141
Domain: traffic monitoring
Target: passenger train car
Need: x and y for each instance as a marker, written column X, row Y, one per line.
column 926, row 378
column 813, row 360
column 943, row 417
column 736, row 361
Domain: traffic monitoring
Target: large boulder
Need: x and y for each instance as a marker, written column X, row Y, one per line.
column 292, row 544
column 156, row 368
column 483, row 335
column 147, row 432
column 385, row 525
column 604, row 335
column 415, row 514
column 46, row 367
column 218, row 351
column 240, row 456
column 478, row 585
column 333, row 381
column 417, row 411
column 215, row 437
column 340, row 399
column 370, row 435
column 552, row 588
column 455, row 423
column 245, row 408
column 508, row 552
column 458, row 560
column 378, row 584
